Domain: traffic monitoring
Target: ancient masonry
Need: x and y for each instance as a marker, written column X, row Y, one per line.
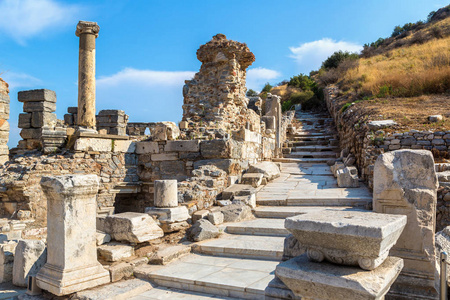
column 93, row 199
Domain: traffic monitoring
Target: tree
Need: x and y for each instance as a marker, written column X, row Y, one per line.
column 251, row 93
column 266, row 88
column 336, row 58
column 302, row 81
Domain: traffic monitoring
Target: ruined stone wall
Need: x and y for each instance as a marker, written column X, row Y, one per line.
column 367, row 143
column 4, row 125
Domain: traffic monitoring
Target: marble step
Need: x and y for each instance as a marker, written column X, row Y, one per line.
column 313, row 137
column 308, row 154
column 302, row 160
column 315, row 149
column 283, row 212
column 309, row 143
column 220, row 276
column 124, row 289
column 172, row 293
column 243, row 246
column 266, row 227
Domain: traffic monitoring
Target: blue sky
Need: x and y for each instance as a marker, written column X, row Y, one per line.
column 146, row 48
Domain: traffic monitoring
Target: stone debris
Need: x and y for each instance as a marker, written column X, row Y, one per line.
column 236, row 213
column 113, row 120
column 435, row 118
column 405, row 183
column 102, row 238
column 253, row 179
column 249, row 200
column 202, row 230
column 132, row 227
column 164, row 131
column 347, row 177
column 269, row 169
column 115, row 251
column 356, row 238
column 167, row 254
column 216, row 217
column 119, row 290
column 326, row 281
column 377, row 125
column 170, row 214
column 237, row 190
column 7, row 251
column 29, row 257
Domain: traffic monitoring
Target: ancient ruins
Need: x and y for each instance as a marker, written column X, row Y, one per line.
column 238, row 200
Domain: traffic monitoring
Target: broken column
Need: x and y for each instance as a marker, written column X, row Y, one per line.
column 405, row 183
column 39, row 107
column 87, row 32
column 4, row 125
column 171, row 216
column 273, row 109
column 71, row 226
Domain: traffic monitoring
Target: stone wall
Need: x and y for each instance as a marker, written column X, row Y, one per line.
column 4, row 125
column 367, row 141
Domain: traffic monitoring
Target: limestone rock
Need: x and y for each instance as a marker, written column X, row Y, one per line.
column 376, row 125
column 7, row 261
column 173, row 227
column 347, row 237
column 336, row 167
column 249, row 200
column 132, row 227
column 202, row 230
column 347, row 177
column 326, row 281
column 115, row 251
column 435, row 118
column 269, row 169
column 170, row 214
column 292, row 248
column 29, row 257
column 237, row 190
column 120, row 271
column 163, row 131
column 102, row 238
column 216, row 217
column 253, row 179
column 236, row 213
column 443, row 245
column 405, row 183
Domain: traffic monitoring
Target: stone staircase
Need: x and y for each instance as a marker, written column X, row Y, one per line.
column 241, row 262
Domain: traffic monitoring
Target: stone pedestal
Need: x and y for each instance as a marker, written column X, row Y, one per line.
column 72, row 253
column 405, row 183
column 166, row 193
column 87, row 32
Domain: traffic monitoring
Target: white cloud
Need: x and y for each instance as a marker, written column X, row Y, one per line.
column 310, row 56
column 146, row 78
column 19, row 80
column 22, row 19
column 257, row 77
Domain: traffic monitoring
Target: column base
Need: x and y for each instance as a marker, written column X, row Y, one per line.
column 87, row 130
column 62, row 282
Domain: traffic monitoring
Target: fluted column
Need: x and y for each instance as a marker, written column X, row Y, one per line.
column 87, row 32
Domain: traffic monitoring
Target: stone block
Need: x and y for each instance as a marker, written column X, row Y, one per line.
column 170, row 214
column 93, row 144
column 269, row 169
column 120, row 271
column 435, row 118
column 102, row 238
column 175, row 169
column 377, row 125
column 30, row 133
column 202, row 230
column 72, row 110
column 29, row 257
column 24, row 121
column 166, row 193
column 37, row 96
column 347, row 177
column 124, row 146
column 115, row 251
column 238, row 190
column 43, row 106
column 442, row 239
column 132, row 227
column 147, row 147
column 199, row 214
column 325, row 281
column 405, row 183
column 163, row 131
column 173, row 227
column 357, row 238
column 249, row 200
column 292, row 248
column 216, row 148
column 253, row 179
column 216, row 217
column 182, row 146
column 232, row 179
column 164, row 156
column 167, row 254
column 269, row 121
column 236, row 213
column 336, row 167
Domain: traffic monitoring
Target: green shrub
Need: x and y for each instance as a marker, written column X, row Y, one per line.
column 251, row 93
column 384, row 91
column 266, row 88
column 303, row 82
column 336, row 58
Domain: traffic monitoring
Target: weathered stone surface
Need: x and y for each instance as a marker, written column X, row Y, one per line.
column 7, row 250
column 182, row 146
column 202, row 230
column 41, row 119
column 167, row 254
column 254, row 179
column 147, row 147
column 102, row 238
column 30, row 256
column 170, row 214
column 326, row 281
column 405, row 183
column 236, row 213
column 347, row 237
column 292, row 248
column 24, row 121
column 125, row 146
column 347, row 177
column 120, row 290
column 216, row 217
column 120, row 271
column 163, row 131
column 115, row 251
column 442, row 240
column 132, row 227
column 37, row 95
column 166, row 193
column 237, row 190
column 93, row 144
column 249, row 200
column 269, row 169
column 199, row 214
column 173, row 227
column 376, row 125
column 71, row 226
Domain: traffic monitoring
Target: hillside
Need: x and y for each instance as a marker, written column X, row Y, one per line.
column 406, row 83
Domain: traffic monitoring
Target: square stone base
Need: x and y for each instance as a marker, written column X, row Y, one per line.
column 63, row 282
column 325, row 281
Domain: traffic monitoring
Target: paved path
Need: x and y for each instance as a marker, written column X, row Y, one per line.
column 241, row 263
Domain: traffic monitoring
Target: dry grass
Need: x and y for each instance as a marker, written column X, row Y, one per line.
column 404, row 72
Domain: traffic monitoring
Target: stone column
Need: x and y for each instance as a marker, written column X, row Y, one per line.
column 273, row 109
column 405, row 183
column 166, row 193
column 87, row 32
column 71, row 245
